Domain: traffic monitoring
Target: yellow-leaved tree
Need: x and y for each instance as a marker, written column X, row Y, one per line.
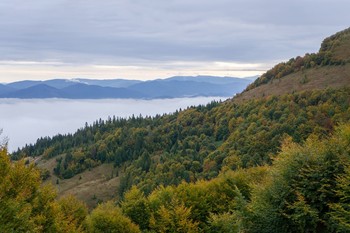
column 27, row 206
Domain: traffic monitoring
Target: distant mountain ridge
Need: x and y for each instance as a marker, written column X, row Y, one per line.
column 173, row 87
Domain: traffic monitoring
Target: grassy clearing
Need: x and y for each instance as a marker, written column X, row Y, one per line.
column 92, row 186
column 310, row 79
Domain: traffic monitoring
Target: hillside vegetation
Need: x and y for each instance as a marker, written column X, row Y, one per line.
column 275, row 162
column 195, row 143
column 306, row 189
column 328, row 68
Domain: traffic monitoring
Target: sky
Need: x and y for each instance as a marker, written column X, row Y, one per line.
column 148, row 39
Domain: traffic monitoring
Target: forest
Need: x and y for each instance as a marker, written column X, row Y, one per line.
column 305, row 189
column 328, row 54
column 272, row 164
column 196, row 143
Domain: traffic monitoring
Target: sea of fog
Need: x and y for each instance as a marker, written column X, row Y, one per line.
column 24, row 121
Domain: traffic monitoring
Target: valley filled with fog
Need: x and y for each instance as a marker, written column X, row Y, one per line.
column 23, row 121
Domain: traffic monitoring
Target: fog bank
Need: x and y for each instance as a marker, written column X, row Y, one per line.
column 24, row 121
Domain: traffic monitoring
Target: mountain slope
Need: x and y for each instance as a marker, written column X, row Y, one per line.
column 308, row 79
column 5, row 89
column 200, row 142
column 192, row 86
column 36, row 91
column 328, row 68
column 83, row 91
column 58, row 83
column 211, row 79
column 23, row 84
column 192, row 144
column 173, row 89
column 108, row 82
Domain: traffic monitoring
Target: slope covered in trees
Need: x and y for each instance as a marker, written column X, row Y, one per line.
column 26, row 206
column 195, row 143
column 279, row 163
column 306, row 189
column 198, row 142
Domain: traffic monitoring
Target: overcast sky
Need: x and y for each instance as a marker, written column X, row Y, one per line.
column 145, row 39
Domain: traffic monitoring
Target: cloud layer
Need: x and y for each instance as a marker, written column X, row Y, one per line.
column 23, row 121
column 159, row 33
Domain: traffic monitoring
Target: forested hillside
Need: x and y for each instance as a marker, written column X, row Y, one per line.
column 195, row 143
column 306, row 189
column 328, row 68
column 268, row 162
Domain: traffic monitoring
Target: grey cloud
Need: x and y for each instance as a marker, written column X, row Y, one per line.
column 117, row 31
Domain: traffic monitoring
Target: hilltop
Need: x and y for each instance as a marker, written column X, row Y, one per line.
column 329, row 68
